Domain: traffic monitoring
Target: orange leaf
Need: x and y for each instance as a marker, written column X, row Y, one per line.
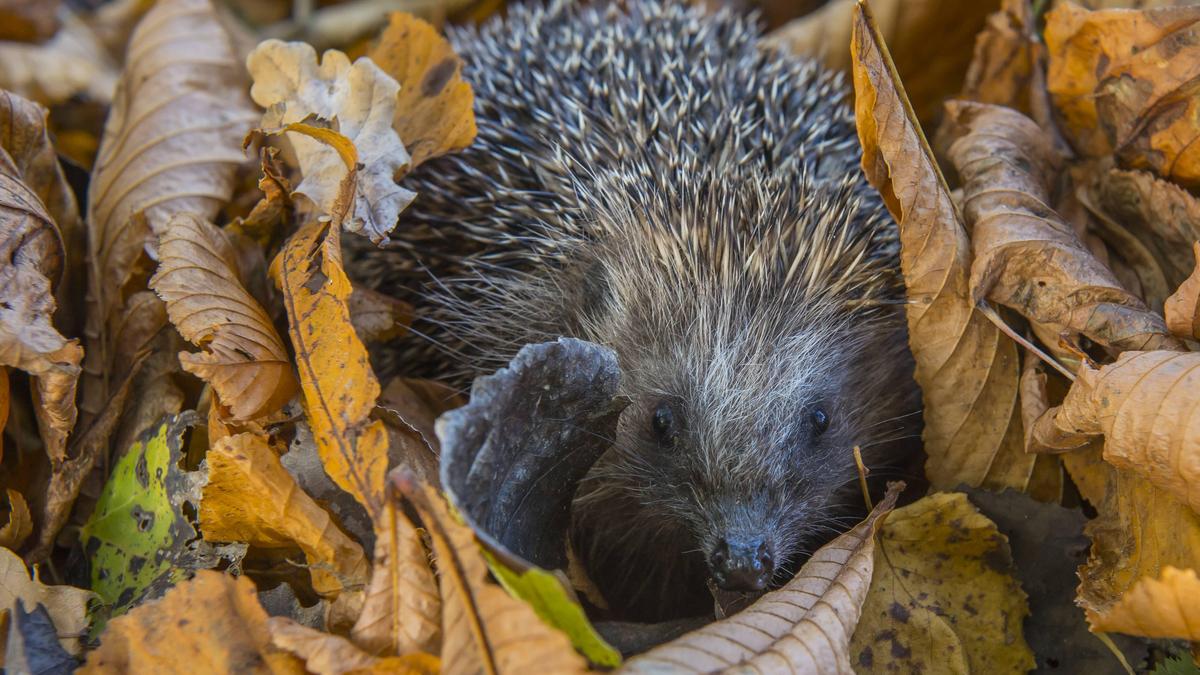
column 1182, row 309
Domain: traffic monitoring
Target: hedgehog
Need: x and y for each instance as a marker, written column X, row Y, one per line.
column 654, row 178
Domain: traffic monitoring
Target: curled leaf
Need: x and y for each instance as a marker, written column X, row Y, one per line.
column 1182, row 309
column 1026, row 257
column 243, row 358
column 359, row 100
column 804, row 627
column 326, row 654
column 20, row 521
column 967, row 369
column 1166, row 607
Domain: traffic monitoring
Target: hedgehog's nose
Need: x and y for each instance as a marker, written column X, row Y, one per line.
column 741, row 565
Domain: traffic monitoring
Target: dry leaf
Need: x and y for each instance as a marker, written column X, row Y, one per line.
column 67, row 605
column 1139, row 532
column 72, row 63
column 243, row 359
column 968, row 370
column 1166, row 607
column 210, row 624
column 28, row 21
column 378, row 317
column 335, row 375
column 1026, row 257
column 484, row 629
column 250, row 497
column 1143, row 405
column 804, row 627
column 359, row 100
column 20, row 522
column 401, row 611
column 326, row 654
column 32, row 192
column 435, row 110
column 1006, row 57
column 1182, row 309
column 942, row 599
column 930, row 69
column 1088, row 49
column 172, row 144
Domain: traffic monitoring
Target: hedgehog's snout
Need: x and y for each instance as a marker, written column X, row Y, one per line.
column 742, row 564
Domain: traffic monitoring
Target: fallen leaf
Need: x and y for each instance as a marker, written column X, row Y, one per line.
column 360, row 101
column 250, row 497
column 1167, row 607
column 967, row 369
column 1006, row 54
column 28, row 21
column 73, row 63
column 335, row 374
column 1182, row 309
column 401, row 610
column 66, row 605
column 34, row 255
column 243, row 359
column 20, row 522
column 803, row 627
column 1128, row 542
column 325, row 654
column 1026, row 257
column 942, row 598
column 378, row 317
column 1143, row 405
column 484, row 629
column 172, row 144
column 168, row 635
column 435, row 109
column 32, row 645
column 141, row 540
column 1121, row 47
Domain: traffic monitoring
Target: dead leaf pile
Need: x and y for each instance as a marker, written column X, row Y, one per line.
column 201, row 471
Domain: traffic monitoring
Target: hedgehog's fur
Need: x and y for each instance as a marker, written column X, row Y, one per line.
column 648, row 177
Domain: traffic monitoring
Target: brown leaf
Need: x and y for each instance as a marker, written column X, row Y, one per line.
column 71, row 64
column 250, row 497
column 172, row 144
column 28, row 20
column 1026, row 257
column 210, row 624
column 33, row 255
column 20, row 522
column 325, row 654
column 1002, row 70
column 67, row 605
column 335, row 374
column 402, row 611
column 243, row 359
column 967, row 369
column 804, row 627
column 484, row 628
column 930, row 69
column 435, row 108
column 1128, row 542
column 1143, row 405
column 378, row 317
column 1099, row 58
column 1166, row 607
column 1182, row 309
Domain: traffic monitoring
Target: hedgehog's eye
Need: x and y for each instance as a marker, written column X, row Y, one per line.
column 820, row 420
column 663, row 422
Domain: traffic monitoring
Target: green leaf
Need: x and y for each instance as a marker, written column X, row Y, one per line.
column 548, row 597
column 1177, row 665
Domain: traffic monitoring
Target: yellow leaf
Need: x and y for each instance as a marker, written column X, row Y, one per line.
column 942, row 599
column 435, row 110
column 485, row 630
column 326, row 654
column 20, row 522
column 210, row 624
column 243, row 358
column 804, row 627
column 1182, row 309
column 401, row 610
column 968, row 370
column 67, row 605
column 1166, row 607
column 335, row 375
column 359, row 101
column 250, row 497
column 1026, row 256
